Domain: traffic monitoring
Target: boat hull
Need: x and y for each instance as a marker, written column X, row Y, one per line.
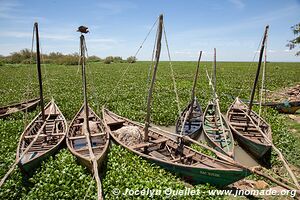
column 289, row 107
column 210, row 134
column 258, row 149
column 30, row 105
column 28, row 168
column 219, row 177
column 196, row 128
column 33, row 158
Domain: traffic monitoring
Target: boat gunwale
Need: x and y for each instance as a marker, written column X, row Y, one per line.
column 178, row 121
column 245, row 137
column 237, row 168
column 31, row 124
column 231, row 152
column 105, row 148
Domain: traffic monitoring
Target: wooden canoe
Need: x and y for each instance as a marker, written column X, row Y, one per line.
column 77, row 141
column 218, row 137
column 46, row 144
column 287, row 107
column 162, row 150
column 255, row 136
column 23, row 106
column 194, row 123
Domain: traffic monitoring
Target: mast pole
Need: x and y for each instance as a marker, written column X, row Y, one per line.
column 196, row 77
column 258, row 70
column 157, row 55
column 215, row 74
column 190, row 110
column 38, row 64
column 86, row 108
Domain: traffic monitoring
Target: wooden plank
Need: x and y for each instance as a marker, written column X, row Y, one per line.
column 83, row 136
column 160, row 140
column 141, row 145
column 43, row 135
column 86, row 148
column 183, row 157
column 158, row 155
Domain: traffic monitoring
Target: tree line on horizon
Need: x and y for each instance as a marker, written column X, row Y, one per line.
column 25, row 56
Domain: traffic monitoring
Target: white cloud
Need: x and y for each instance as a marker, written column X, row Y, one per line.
column 238, row 3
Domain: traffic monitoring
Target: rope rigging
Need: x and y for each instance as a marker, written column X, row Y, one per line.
column 172, row 74
column 127, row 68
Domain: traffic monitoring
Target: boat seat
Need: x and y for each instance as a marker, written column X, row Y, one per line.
column 83, row 136
column 160, row 140
column 158, row 155
column 87, row 148
column 148, row 144
column 112, row 123
column 183, row 157
column 43, row 135
column 140, row 145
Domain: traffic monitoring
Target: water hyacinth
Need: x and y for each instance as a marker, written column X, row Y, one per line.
column 61, row 177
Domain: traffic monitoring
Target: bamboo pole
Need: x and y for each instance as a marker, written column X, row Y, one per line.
column 277, row 150
column 38, row 64
column 22, row 155
column 196, row 77
column 190, row 110
column 157, row 55
column 217, row 106
column 86, row 128
column 215, row 74
column 86, row 108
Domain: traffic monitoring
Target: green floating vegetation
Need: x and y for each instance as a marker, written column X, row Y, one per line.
column 126, row 170
column 61, row 177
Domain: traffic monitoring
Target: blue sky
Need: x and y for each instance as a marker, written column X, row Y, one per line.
column 118, row 27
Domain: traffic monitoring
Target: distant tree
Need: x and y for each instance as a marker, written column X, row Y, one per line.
column 108, row 60
column 131, row 59
column 94, row 59
column 296, row 41
column 118, row 59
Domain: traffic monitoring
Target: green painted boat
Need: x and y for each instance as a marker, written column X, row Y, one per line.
column 251, row 131
column 47, row 143
column 217, row 134
column 286, row 107
column 215, row 127
column 166, row 152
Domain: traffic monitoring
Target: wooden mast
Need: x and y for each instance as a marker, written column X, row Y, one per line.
column 215, row 74
column 190, row 111
column 38, row 64
column 86, row 128
column 86, row 108
column 258, row 69
column 157, row 55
